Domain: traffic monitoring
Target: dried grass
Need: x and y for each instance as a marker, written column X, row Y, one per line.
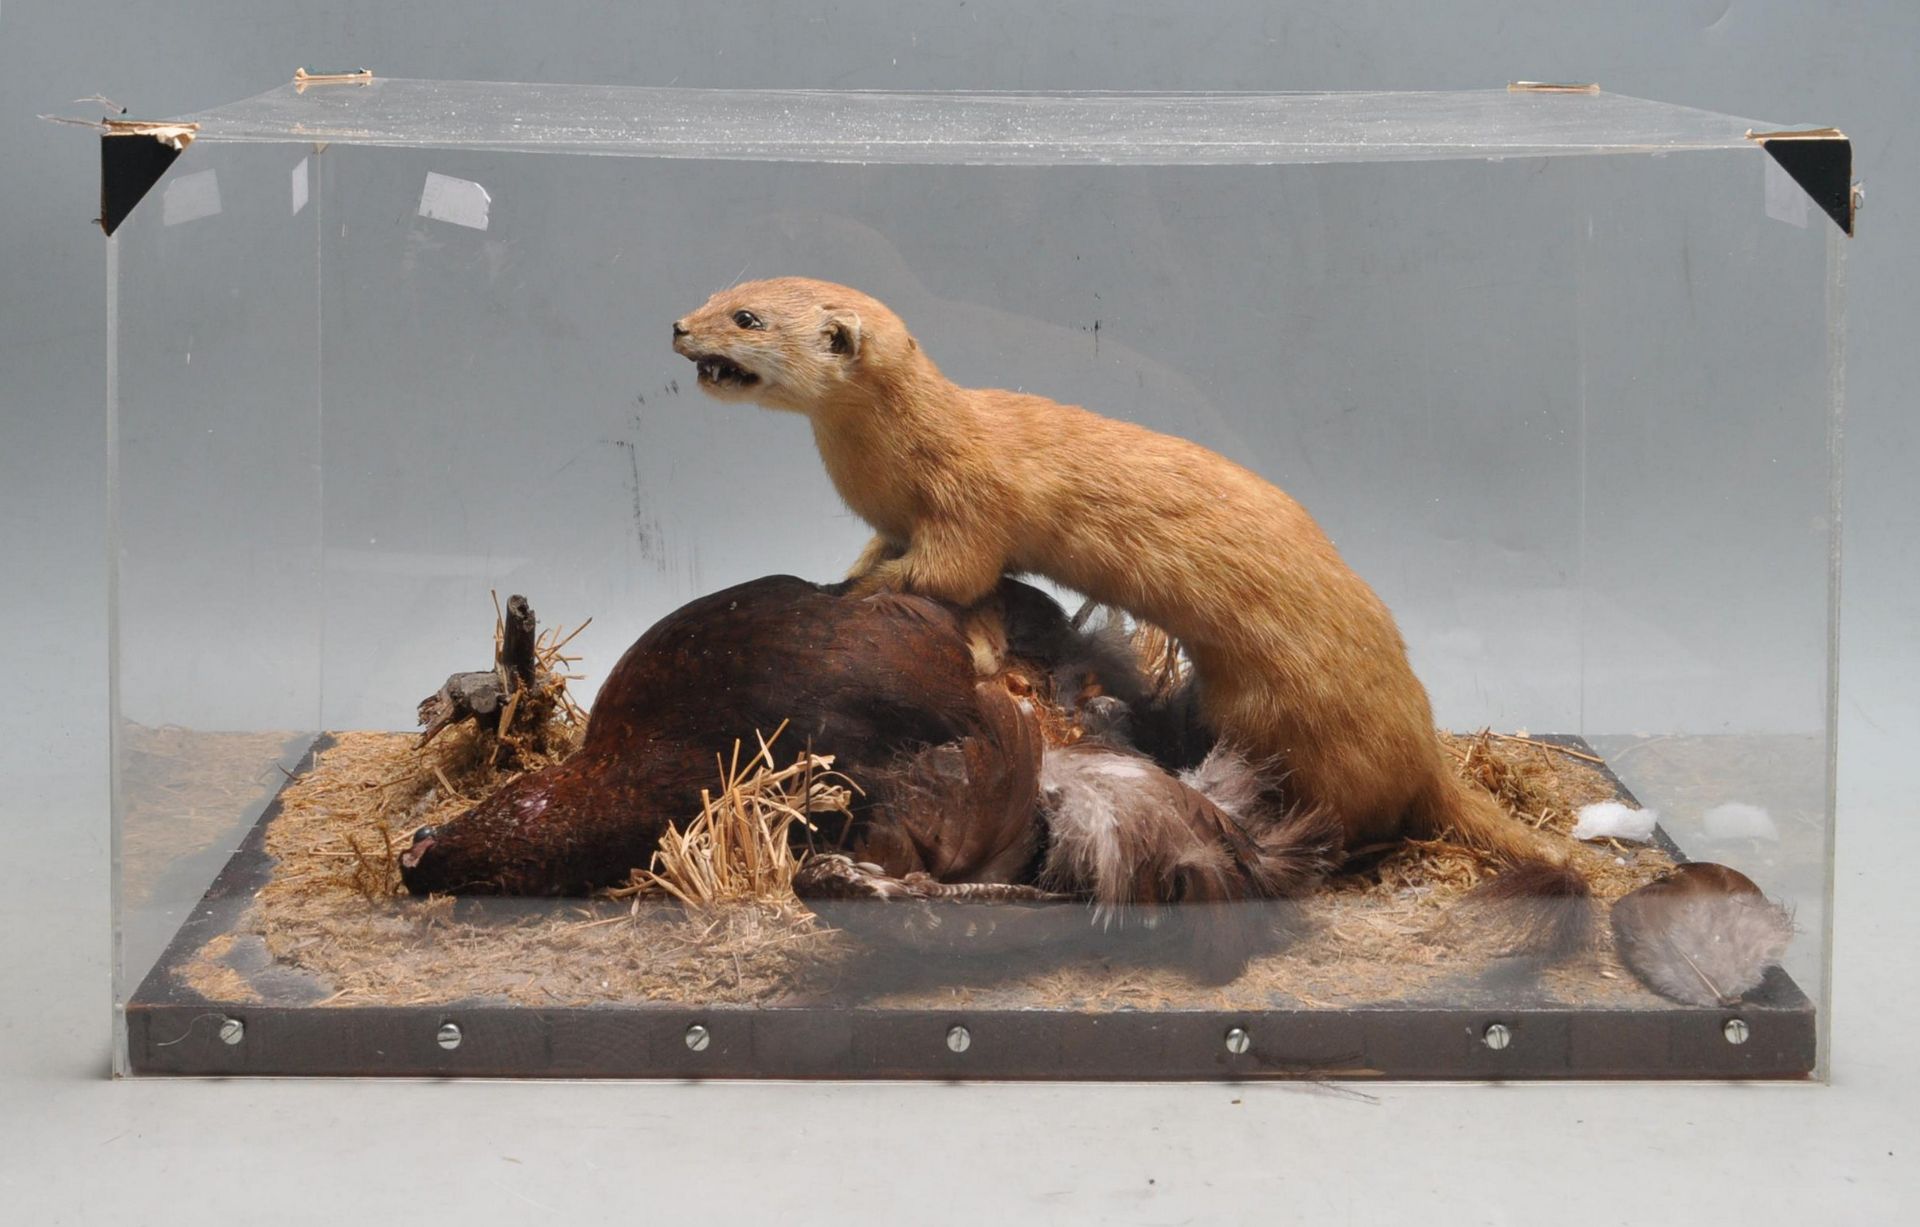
column 1371, row 937
column 739, row 847
column 451, row 770
column 541, row 723
column 1162, row 661
column 712, row 919
column 1526, row 776
column 334, row 917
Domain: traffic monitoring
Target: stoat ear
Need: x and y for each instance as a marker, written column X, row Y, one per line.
column 841, row 331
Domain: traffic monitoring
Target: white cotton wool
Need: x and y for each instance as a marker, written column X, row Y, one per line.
column 1738, row 820
column 1612, row 820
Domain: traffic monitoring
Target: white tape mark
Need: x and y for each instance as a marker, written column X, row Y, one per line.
column 190, row 198
column 460, row 201
column 302, row 185
column 1786, row 201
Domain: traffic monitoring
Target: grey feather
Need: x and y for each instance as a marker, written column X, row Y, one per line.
column 1135, row 838
column 1229, row 780
column 1704, row 935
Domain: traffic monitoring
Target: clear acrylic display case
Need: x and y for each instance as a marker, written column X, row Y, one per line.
column 1559, row 371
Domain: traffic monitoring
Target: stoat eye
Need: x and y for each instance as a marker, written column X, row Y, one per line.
column 747, row 319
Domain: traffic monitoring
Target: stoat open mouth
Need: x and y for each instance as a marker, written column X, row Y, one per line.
column 717, row 370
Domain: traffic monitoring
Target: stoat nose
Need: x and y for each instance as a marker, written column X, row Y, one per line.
column 679, row 328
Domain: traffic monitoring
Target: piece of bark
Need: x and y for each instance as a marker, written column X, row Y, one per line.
column 465, row 696
column 517, row 640
column 480, row 695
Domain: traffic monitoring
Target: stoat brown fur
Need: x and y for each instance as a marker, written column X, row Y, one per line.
column 1298, row 659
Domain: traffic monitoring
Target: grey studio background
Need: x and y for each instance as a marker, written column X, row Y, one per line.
column 1161, row 1154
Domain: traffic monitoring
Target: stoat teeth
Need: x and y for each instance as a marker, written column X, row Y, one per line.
column 723, row 370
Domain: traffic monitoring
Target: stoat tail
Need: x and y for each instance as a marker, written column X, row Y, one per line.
column 1540, row 905
column 1455, row 809
column 1532, row 909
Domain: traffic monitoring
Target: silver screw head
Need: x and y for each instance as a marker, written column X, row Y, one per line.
column 698, row 1037
column 1238, row 1041
column 232, row 1031
column 449, row 1036
column 1496, row 1036
column 1737, row 1031
column 959, row 1039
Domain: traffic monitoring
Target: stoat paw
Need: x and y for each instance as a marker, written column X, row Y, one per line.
column 833, row 876
column 887, row 576
column 876, row 552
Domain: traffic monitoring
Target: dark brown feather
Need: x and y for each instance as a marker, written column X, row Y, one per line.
column 963, row 810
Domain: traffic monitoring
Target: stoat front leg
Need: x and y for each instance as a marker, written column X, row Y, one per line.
column 878, row 550
column 941, row 562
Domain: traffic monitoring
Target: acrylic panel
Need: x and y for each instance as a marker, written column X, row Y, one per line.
column 1572, row 416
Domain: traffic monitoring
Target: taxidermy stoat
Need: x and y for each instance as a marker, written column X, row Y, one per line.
column 1298, row 660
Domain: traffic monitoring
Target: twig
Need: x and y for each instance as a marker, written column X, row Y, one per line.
column 555, row 648
column 1569, row 751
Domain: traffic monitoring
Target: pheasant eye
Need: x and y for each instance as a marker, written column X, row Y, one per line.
column 747, row 319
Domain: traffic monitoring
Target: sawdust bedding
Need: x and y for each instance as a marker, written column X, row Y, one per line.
column 333, row 927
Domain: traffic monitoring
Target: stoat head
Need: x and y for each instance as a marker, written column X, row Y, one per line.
column 790, row 343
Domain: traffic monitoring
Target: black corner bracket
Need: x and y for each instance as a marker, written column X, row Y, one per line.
column 130, row 164
column 1821, row 162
